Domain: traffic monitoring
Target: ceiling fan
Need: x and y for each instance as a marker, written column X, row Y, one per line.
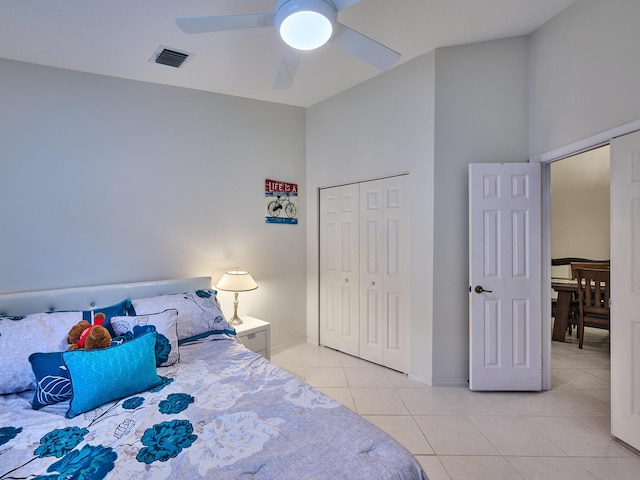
column 303, row 25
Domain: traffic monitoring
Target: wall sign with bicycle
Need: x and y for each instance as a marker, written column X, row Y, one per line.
column 281, row 200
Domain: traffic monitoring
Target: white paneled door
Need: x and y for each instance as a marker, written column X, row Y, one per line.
column 364, row 270
column 505, row 277
column 384, row 272
column 340, row 267
column 625, row 288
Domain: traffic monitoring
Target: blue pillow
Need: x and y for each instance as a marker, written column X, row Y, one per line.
column 123, row 308
column 101, row 376
column 53, row 384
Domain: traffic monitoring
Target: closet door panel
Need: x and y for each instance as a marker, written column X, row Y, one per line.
column 372, row 260
column 339, row 268
column 396, row 273
column 394, row 320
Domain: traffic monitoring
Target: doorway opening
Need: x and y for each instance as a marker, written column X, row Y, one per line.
column 579, row 229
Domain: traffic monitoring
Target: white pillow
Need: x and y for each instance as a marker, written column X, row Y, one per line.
column 165, row 324
column 20, row 337
column 199, row 313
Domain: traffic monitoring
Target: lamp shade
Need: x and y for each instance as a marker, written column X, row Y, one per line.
column 237, row 281
column 305, row 24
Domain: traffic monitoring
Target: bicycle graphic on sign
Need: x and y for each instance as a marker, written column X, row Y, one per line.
column 282, row 202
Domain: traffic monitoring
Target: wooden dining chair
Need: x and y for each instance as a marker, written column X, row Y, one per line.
column 572, row 321
column 593, row 300
column 594, row 265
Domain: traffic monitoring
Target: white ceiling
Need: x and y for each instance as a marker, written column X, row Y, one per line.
column 119, row 37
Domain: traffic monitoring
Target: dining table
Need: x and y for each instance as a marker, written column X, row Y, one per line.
column 566, row 289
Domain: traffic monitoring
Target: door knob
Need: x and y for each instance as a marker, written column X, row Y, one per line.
column 479, row 289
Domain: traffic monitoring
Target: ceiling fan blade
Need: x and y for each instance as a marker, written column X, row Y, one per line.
column 363, row 47
column 223, row 23
column 342, row 4
column 287, row 69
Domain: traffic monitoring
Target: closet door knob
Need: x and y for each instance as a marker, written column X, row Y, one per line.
column 346, row 280
column 373, row 284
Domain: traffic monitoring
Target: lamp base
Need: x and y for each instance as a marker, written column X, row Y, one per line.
column 235, row 320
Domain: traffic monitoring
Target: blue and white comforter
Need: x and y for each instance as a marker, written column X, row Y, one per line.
column 223, row 412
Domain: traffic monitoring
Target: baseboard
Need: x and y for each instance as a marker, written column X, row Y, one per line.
column 450, row 382
column 420, row 378
column 285, row 346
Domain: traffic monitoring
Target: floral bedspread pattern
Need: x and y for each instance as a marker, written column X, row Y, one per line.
column 222, row 412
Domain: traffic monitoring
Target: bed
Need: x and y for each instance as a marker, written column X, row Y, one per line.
column 175, row 396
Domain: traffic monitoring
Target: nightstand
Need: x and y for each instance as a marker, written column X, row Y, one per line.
column 255, row 334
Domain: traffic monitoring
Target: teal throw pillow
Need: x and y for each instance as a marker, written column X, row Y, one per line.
column 101, row 376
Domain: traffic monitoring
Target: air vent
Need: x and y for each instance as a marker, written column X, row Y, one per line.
column 170, row 57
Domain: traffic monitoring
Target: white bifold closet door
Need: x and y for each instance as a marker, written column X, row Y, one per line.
column 339, row 268
column 364, row 273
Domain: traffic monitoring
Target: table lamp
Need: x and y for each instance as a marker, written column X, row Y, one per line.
column 236, row 281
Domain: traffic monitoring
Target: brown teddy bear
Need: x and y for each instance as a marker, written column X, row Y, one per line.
column 89, row 337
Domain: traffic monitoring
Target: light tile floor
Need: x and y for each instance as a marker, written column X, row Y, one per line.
column 458, row 434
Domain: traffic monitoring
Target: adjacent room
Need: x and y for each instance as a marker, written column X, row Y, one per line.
column 323, row 196
column 580, row 236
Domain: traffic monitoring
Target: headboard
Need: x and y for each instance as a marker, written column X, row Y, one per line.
column 86, row 298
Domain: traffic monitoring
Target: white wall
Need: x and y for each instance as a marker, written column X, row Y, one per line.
column 584, row 73
column 481, row 116
column 381, row 127
column 580, row 218
column 107, row 180
column 431, row 117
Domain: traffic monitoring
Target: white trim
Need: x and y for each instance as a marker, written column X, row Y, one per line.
column 420, row 378
column 587, row 143
column 545, row 178
column 371, row 179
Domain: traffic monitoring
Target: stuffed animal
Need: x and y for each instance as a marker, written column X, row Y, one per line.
column 85, row 336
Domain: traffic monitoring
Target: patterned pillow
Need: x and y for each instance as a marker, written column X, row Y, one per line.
column 165, row 323
column 53, row 384
column 199, row 313
column 22, row 336
column 101, row 376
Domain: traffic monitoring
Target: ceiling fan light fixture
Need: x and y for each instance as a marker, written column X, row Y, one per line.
column 305, row 24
